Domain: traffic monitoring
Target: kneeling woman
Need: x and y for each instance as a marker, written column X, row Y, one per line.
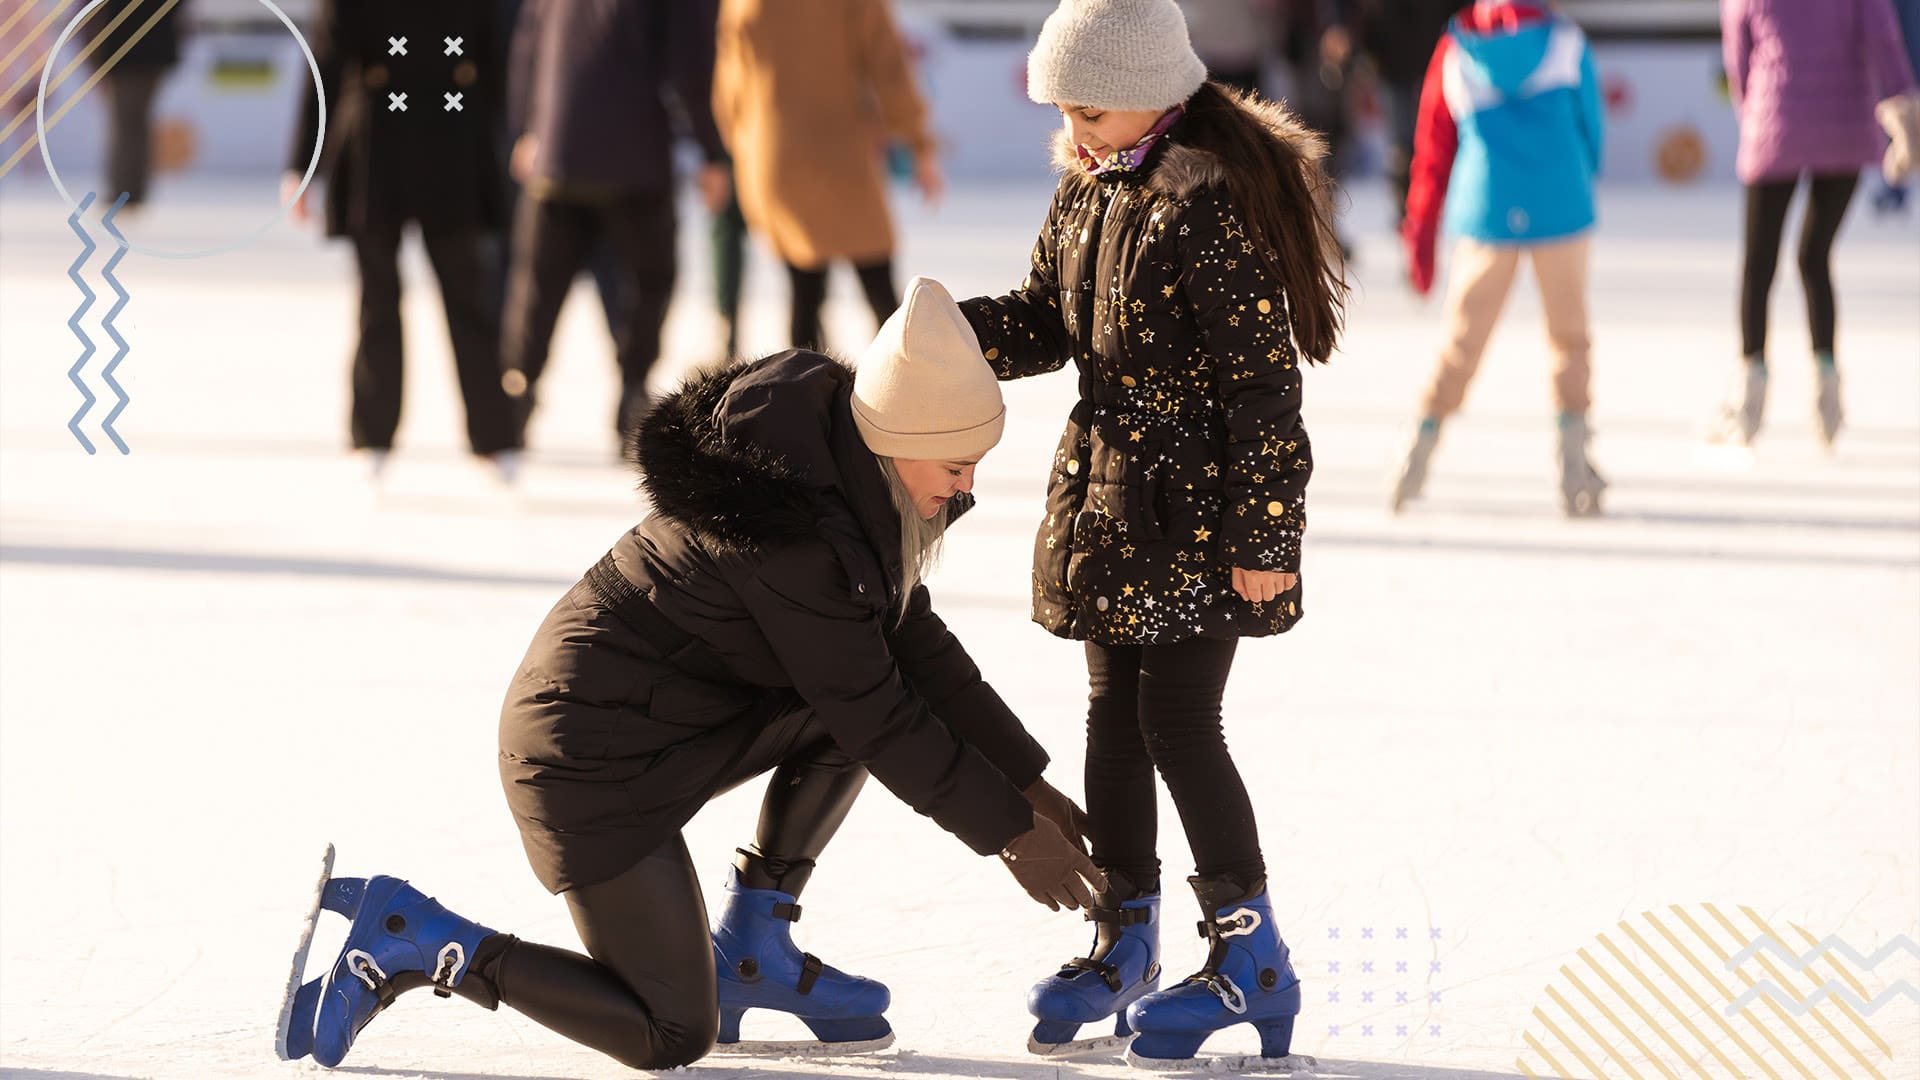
column 766, row 616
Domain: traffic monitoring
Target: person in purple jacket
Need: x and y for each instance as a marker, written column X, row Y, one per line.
column 1805, row 80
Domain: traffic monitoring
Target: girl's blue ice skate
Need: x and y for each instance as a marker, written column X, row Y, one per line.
column 400, row 939
column 1122, row 966
column 759, row 967
column 1247, row 980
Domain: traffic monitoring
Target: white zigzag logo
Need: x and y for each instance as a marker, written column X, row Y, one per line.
column 1832, row 944
column 1832, row 988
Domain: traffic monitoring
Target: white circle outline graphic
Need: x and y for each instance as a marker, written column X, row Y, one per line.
column 313, row 163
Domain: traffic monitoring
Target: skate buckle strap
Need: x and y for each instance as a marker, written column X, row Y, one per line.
column 364, row 968
column 1119, row 916
column 789, row 912
column 1229, row 994
column 453, row 958
column 1107, row 972
column 1237, row 923
column 810, row 969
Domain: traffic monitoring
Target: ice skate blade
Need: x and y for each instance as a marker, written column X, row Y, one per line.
column 802, row 1048
column 285, row 1027
column 1078, row 1047
column 1226, row 1063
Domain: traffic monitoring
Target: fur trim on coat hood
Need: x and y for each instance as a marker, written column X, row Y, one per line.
column 1182, row 168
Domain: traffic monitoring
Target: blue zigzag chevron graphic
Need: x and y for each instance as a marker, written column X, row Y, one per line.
column 86, row 343
column 1831, row 988
column 1832, row 944
column 106, row 323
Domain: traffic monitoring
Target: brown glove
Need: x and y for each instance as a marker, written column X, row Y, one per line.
column 1065, row 814
column 1053, row 872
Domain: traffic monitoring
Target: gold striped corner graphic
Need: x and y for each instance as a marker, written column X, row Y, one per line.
column 1692, row 991
column 32, row 72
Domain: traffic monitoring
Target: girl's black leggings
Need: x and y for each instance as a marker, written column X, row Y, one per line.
column 1157, row 708
column 1767, row 203
column 645, row 993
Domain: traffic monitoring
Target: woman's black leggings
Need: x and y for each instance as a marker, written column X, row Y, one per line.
column 810, row 293
column 1767, row 203
column 645, row 993
column 1157, row 707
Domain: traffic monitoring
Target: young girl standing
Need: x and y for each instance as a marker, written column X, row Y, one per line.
column 1188, row 268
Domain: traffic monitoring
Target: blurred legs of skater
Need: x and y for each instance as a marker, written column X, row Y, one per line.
column 1828, row 197
column 552, row 241
column 461, row 260
column 1482, row 276
column 810, row 294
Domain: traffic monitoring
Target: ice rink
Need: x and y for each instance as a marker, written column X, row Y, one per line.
column 1507, row 766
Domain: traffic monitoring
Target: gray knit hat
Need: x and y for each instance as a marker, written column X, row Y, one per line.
column 1131, row 55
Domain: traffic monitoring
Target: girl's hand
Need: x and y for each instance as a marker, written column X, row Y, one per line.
column 1261, row 585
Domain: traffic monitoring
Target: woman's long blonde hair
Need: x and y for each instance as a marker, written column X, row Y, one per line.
column 920, row 537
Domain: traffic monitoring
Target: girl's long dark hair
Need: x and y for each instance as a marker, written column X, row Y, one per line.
column 1281, row 185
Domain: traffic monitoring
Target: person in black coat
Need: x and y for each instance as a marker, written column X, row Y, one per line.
column 132, row 83
column 410, row 139
column 599, row 89
column 767, row 615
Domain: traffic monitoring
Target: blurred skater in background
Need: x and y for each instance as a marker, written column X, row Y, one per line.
column 808, row 97
column 597, row 92
column 142, row 43
column 1511, row 120
column 1398, row 38
column 387, row 166
column 1807, row 83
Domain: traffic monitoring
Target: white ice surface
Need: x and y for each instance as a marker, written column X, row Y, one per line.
column 1499, row 729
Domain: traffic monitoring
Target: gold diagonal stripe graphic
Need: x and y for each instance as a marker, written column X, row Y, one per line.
column 1698, row 1000
column 33, row 71
column 1558, row 1069
column 29, row 143
column 19, row 13
column 1706, row 974
column 1601, row 1005
column 1566, row 1041
column 1780, row 1013
column 1786, row 983
column 1673, row 1009
column 1844, row 1006
column 1592, row 1034
column 1521, row 1064
column 33, row 33
column 1633, row 1002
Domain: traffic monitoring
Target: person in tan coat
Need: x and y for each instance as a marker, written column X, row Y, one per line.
column 808, row 94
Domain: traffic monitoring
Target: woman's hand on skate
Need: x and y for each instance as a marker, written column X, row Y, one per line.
column 1065, row 814
column 1260, row 586
column 1050, row 869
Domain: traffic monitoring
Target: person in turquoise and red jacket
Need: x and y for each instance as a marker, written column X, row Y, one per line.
column 1511, row 136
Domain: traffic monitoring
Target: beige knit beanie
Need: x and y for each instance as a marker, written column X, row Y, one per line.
column 1131, row 55
column 923, row 391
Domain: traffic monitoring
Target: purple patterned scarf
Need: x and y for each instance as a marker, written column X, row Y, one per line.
column 1129, row 159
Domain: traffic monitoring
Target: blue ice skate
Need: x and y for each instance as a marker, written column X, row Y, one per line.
column 400, row 939
column 759, row 967
column 1247, row 980
column 1122, row 966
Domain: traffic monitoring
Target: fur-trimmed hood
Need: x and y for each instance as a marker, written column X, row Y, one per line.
column 733, row 491
column 763, row 453
column 1179, row 168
